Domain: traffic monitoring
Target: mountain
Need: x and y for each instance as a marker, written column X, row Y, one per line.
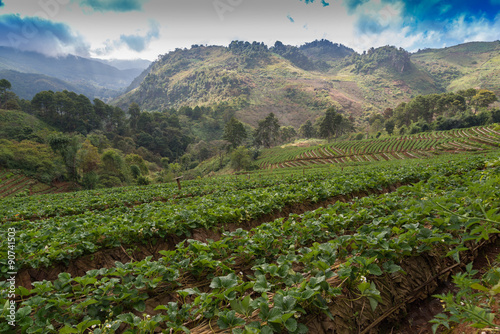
column 27, row 85
column 326, row 50
column 475, row 64
column 297, row 84
column 87, row 76
column 125, row 64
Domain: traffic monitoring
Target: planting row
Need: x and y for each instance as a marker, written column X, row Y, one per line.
column 60, row 239
column 281, row 274
column 472, row 139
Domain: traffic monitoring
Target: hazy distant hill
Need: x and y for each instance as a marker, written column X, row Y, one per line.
column 87, row 76
column 296, row 84
column 27, row 85
column 124, row 64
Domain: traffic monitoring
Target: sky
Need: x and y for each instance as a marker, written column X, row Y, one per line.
column 131, row 29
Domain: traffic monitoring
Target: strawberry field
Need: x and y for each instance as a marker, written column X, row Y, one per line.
column 328, row 251
column 15, row 184
column 420, row 145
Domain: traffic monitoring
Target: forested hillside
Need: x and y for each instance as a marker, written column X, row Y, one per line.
column 298, row 83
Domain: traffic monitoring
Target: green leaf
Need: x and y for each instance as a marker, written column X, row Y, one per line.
column 308, row 293
column 479, row 287
column 373, row 303
column 286, row 303
column 275, row 315
column 140, row 306
column 23, row 312
column 262, row 285
column 374, row 269
column 266, row 330
column 225, row 282
column 67, row 330
column 86, row 324
column 363, row 286
column 291, row 324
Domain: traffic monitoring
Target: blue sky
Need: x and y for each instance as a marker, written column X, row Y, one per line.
column 126, row 29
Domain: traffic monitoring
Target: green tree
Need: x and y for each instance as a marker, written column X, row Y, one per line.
column 67, row 147
column 240, row 158
column 138, row 161
column 4, row 86
column 267, row 132
column 307, row 130
column 88, row 158
column 484, row 98
column 135, row 112
column 234, row 132
column 468, row 94
column 389, row 126
column 334, row 124
column 114, row 171
column 287, row 133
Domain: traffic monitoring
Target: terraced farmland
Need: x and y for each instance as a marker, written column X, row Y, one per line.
column 16, row 184
column 421, row 145
column 331, row 250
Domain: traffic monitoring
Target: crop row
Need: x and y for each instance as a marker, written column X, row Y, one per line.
column 278, row 275
column 471, row 139
column 60, row 239
column 36, row 207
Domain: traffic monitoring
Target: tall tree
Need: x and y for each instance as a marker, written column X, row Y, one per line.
column 4, row 86
column 307, row 130
column 389, row 126
column 134, row 111
column 67, row 147
column 484, row 98
column 234, row 132
column 334, row 124
column 267, row 132
column 287, row 133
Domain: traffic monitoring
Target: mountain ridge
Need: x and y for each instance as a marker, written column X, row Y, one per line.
column 299, row 83
column 85, row 75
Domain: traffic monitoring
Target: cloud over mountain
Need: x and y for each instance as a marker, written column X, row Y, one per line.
column 135, row 42
column 40, row 35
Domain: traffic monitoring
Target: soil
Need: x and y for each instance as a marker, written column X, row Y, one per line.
column 421, row 312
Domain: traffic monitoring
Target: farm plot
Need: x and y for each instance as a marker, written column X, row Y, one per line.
column 309, row 272
column 406, row 147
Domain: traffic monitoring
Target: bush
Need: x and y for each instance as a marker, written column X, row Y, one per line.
column 143, row 180
column 90, row 180
column 135, row 171
column 240, row 158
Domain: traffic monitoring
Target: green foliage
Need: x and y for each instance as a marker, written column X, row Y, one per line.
column 234, row 132
column 307, row 130
column 90, row 180
column 334, row 124
column 67, row 147
column 4, row 86
column 389, row 126
column 397, row 60
column 291, row 264
column 267, row 133
column 241, row 159
column 473, row 302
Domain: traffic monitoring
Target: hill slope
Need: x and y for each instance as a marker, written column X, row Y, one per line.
column 297, row 84
column 256, row 81
column 27, row 85
column 475, row 64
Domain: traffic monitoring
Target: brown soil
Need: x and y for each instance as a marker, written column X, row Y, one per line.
column 421, row 312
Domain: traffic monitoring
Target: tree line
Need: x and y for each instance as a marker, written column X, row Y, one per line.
column 446, row 111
